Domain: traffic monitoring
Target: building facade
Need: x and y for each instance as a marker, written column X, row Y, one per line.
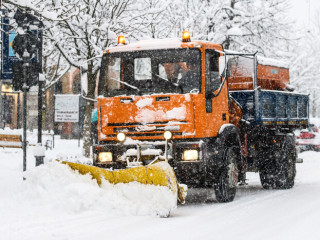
column 11, row 106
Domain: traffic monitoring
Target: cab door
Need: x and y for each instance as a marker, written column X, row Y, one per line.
column 216, row 93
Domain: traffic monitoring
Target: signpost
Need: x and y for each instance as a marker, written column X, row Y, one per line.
column 66, row 109
column 25, row 49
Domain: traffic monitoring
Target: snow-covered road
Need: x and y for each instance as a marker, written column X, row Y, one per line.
column 55, row 204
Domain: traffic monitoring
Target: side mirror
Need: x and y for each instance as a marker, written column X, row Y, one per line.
column 84, row 78
column 225, row 63
column 222, row 65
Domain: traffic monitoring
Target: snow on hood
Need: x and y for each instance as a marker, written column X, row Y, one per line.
column 150, row 115
column 57, row 185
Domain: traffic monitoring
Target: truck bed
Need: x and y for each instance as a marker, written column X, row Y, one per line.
column 273, row 108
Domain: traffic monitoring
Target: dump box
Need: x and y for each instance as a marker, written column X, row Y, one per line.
column 271, row 74
column 279, row 108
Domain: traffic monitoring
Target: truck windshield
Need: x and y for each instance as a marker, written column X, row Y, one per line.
column 152, row 71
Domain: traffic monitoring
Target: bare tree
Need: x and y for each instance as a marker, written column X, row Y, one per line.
column 264, row 25
column 77, row 31
column 305, row 63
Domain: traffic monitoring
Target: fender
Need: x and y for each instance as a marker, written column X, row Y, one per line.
column 228, row 136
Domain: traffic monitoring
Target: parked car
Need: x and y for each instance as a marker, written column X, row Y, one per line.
column 309, row 139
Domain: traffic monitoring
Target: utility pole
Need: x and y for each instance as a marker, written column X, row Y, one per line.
column 1, row 116
column 24, row 142
column 40, row 154
column 25, row 64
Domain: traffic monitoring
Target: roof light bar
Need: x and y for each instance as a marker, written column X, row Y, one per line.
column 186, row 36
column 121, row 40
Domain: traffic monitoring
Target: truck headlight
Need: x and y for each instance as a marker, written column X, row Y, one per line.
column 105, row 157
column 167, row 135
column 190, row 155
column 121, row 137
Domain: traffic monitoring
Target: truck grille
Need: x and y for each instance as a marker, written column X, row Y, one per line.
column 139, row 124
column 146, row 134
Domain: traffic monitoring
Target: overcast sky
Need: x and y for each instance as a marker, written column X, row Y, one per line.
column 304, row 10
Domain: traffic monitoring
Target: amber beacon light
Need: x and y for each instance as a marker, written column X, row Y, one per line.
column 186, row 36
column 121, row 40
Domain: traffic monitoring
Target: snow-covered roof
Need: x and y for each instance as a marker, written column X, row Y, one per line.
column 264, row 60
column 272, row 62
column 151, row 44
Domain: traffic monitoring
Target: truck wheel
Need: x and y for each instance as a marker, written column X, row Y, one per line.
column 287, row 168
column 226, row 185
column 267, row 177
column 280, row 172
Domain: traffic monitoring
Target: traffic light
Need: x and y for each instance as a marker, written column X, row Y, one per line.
column 26, row 20
column 28, row 43
column 31, row 78
column 27, row 46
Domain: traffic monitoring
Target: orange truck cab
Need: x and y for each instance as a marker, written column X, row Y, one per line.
column 177, row 99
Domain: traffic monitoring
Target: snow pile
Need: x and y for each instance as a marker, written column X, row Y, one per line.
column 61, row 188
column 315, row 121
column 54, row 203
column 11, row 131
column 32, row 136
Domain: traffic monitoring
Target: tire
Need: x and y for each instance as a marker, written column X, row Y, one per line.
column 280, row 171
column 226, row 184
column 267, row 177
column 287, row 173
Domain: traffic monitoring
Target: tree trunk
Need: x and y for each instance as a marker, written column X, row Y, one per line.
column 87, row 139
column 87, row 136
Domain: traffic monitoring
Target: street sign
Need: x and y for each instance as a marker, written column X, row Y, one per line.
column 7, row 55
column 66, row 108
column 12, row 35
column 8, row 35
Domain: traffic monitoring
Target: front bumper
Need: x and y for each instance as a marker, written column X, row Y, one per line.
column 196, row 173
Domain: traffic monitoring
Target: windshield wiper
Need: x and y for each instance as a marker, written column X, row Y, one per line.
column 167, row 80
column 127, row 84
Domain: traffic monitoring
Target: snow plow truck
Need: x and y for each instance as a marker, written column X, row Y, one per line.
column 177, row 110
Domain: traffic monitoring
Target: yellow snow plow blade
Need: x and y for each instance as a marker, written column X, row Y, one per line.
column 159, row 174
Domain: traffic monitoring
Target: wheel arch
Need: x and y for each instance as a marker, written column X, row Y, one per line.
column 229, row 137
